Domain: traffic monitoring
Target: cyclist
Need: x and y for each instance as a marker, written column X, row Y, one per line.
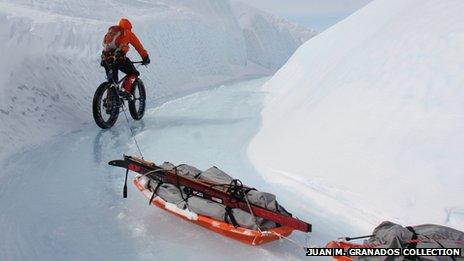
column 115, row 47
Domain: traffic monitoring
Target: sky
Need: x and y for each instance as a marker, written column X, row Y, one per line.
column 318, row 14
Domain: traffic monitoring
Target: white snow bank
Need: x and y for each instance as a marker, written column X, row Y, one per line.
column 367, row 118
column 51, row 48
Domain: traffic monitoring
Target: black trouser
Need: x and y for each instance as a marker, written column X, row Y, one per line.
column 123, row 64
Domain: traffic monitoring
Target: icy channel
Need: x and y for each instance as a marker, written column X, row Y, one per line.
column 61, row 201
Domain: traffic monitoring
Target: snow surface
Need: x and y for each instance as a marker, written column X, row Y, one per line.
column 50, row 56
column 61, row 201
column 367, row 118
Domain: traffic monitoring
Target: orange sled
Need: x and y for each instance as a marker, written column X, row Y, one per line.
column 244, row 235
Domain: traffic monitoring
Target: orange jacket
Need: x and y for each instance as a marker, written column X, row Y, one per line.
column 130, row 38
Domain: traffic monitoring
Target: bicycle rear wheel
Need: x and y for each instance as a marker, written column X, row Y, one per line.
column 105, row 106
column 137, row 105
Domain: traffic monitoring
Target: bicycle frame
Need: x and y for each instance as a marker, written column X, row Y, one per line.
column 109, row 77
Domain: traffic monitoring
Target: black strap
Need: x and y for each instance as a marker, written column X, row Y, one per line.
column 230, row 216
column 414, row 237
column 124, row 190
column 154, row 192
column 413, row 244
column 236, row 189
column 187, row 191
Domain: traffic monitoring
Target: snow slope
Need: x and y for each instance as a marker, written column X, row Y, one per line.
column 367, row 118
column 50, row 57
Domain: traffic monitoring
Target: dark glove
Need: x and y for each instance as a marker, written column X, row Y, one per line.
column 102, row 62
column 146, row 60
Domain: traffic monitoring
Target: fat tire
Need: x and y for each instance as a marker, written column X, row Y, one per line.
column 97, row 113
column 137, row 113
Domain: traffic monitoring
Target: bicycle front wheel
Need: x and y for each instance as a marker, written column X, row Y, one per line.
column 137, row 105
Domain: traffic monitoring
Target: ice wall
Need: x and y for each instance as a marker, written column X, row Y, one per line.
column 50, row 57
column 366, row 118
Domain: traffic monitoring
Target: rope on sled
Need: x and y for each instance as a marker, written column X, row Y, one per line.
column 298, row 244
column 252, row 214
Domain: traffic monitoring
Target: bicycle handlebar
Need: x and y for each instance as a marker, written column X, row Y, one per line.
column 137, row 62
